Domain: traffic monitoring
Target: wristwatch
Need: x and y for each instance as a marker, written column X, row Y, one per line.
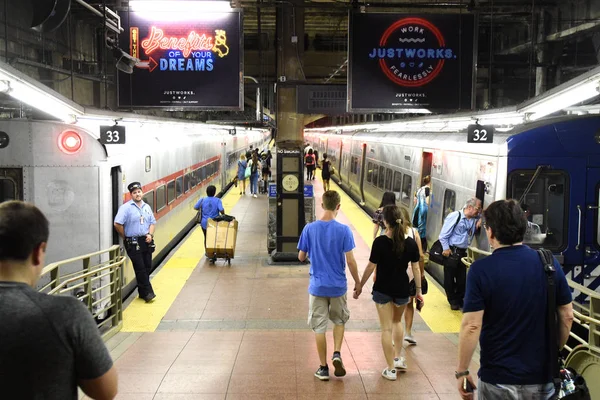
column 461, row 374
column 151, row 235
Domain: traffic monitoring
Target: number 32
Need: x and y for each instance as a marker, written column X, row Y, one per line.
column 480, row 135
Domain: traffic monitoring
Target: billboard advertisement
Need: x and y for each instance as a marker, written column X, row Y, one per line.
column 410, row 63
column 184, row 64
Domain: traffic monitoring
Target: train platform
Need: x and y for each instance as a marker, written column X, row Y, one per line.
column 240, row 332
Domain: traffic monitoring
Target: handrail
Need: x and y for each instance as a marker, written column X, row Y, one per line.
column 587, row 314
column 98, row 286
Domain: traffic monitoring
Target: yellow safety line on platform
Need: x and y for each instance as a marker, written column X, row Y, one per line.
column 142, row 317
column 436, row 313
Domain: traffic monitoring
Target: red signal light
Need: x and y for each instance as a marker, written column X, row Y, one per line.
column 69, row 142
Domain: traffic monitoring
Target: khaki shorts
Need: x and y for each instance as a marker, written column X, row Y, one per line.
column 321, row 309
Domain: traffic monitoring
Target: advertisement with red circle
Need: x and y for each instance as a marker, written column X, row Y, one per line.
column 410, row 63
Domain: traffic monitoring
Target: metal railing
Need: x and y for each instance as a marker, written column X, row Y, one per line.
column 473, row 254
column 98, row 285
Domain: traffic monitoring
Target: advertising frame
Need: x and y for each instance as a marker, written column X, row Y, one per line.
column 240, row 105
column 357, row 110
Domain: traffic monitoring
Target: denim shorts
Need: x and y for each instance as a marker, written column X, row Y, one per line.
column 381, row 298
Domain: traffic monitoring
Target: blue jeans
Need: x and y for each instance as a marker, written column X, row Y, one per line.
column 254, row 184
column 488, row 391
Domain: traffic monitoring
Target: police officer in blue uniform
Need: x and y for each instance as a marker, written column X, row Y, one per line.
column 135, row 223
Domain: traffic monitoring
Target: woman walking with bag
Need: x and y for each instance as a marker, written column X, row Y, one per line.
column 241, row 173
column 390, row 254
column 254, row 166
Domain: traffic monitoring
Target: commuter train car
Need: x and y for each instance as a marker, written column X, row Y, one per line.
column 552, row 164
column 80, row 183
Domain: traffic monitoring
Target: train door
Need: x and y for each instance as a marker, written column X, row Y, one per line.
column 339, row 168
column 11, row 184
column 117, row 195
column 591, row 228
column 223, row 167
column 427, row 162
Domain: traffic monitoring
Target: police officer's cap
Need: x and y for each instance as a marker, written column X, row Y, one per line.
column 134, row 185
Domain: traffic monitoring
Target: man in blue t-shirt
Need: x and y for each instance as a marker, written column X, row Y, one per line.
column 210, row 207
column 505, row 307
column 330, row 246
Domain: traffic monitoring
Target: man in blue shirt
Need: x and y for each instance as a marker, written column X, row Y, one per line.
column 505, row 307
column 329, row 244
column 456, row 235
column 209, row 207
column 135, row 223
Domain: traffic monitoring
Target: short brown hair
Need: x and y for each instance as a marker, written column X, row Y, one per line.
column 426, row 180
column 23, row 227
column 331, row 199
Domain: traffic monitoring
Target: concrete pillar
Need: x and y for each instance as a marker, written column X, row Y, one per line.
column 541, row 58
column 289, row 205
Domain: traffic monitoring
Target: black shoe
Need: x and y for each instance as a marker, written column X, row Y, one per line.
column 150, row 298
column 339, row 365
column 454, row 307
column 322, row 373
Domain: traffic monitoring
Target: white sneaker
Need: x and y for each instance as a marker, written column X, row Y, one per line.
column 410, row 339
column 400, row 363
column 255, row 196
column 389, row 374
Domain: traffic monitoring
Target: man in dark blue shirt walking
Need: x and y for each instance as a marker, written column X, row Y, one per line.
column 505, row 307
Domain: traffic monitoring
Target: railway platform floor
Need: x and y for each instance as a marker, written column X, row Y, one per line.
column 240, row 332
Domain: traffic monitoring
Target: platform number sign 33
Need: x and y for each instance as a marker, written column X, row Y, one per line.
column 480, row 134
column 112, row 134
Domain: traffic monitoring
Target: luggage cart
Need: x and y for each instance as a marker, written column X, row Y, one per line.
column 221, row 236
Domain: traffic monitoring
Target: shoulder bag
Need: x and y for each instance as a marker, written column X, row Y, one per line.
column 248, row 171
column 436, row 250
column 568, row 384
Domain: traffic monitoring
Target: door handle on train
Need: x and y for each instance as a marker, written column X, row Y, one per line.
column 578, row 228
column 590, row 207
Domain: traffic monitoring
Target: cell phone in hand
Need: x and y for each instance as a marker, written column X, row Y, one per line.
column 419, row 305
column 467, row 387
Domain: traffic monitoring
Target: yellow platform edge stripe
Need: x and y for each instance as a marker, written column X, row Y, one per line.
column 437, row 313
column 168, row 282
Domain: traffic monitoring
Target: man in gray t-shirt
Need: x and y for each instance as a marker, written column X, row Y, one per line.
column 49, row 345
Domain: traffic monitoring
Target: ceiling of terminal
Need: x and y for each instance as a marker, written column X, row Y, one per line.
column 566, row 33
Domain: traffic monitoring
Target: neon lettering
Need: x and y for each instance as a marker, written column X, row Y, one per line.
column 194, row 41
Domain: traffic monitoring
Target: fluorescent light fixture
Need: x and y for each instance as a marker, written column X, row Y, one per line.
column 25, row 89
column 560, row 101
column 187, row 7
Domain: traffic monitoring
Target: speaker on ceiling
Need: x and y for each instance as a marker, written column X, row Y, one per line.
column 48, row 15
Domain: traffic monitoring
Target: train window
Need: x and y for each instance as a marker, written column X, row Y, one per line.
column 381, row 177
column 161, row 197
column 148, row 163
column 187, row 182
column 170, row 192
column 375, row 174
column 369, row 172
column 397, row 181
column 149, row 199
column 406, row 189
column 8, row 190
column 179, row 186
column 449, row 203
column 388, row 179
column 546, row 206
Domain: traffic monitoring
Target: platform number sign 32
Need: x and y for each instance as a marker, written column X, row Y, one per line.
column 480, row 134
column 112, row 134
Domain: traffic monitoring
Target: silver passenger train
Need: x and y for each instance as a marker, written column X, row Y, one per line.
column 79, row 183
column 552, row 165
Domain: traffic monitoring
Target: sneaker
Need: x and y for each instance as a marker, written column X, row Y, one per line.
column 410, row 339
column 255, row 196
column 400, row 363
column 322, row 373
column 389, row 374
column 339, row 365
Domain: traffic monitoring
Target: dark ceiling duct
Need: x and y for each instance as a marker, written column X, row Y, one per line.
column 48, row 15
